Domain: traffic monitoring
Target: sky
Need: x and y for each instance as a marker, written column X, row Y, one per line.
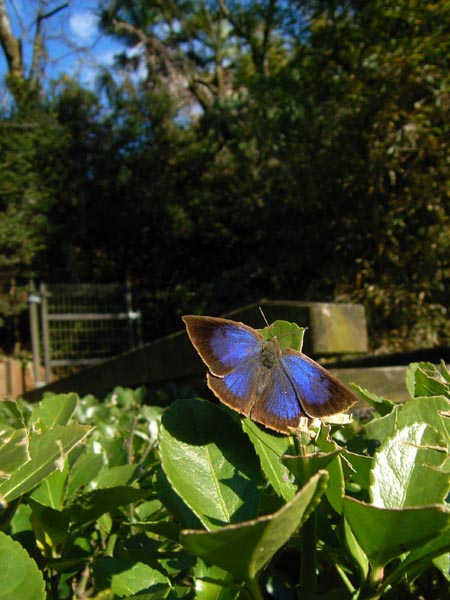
column 74, row 43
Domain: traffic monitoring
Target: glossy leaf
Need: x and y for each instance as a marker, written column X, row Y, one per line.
column 289, row 335
column 405, row 471
column 386, row 533
column 355, row 550
column 52, row 490
column 424, row 379
column 209, row 462
column 358, row 467
column 48, row 452
column 20, row 577
column 336, row 485
column 270, row 449
column 419, row 560
column 383, row 406
column 126, row 578
column 53, row 411
column 13, row 451
column 213, row 583
column 383, row 427
column 94, row 504
column 245, row 548
column 426, row 410
column 174, row 503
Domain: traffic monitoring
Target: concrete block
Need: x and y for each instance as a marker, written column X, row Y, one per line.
column 333, row 328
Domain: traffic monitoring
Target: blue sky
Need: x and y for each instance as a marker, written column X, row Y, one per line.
column 74, row 44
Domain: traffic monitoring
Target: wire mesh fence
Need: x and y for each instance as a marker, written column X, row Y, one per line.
column 80, row 325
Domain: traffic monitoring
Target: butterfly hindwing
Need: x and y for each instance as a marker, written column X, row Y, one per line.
column 265, row 395
column 236, row 388
column 278, row 406
column 320, row 393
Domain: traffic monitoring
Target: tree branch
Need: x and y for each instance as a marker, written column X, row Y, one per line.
column 10, row 44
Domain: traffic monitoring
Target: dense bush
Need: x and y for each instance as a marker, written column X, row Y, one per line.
column 118, row 499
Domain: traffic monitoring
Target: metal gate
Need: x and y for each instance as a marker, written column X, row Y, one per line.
column 79, row 325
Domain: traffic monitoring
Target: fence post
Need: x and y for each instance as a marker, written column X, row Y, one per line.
column 134, row 318
column 33, row 300
column 45, row 332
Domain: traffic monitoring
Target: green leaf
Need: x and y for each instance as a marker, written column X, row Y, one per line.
column 209, row 462
column 383, row 427
column 53, row 411
column 358, row 468
column 424, row 379
column 174, row 503
column 303, row 467
column 383, row 406
column 48, row 452
column 213, row 583
column 98, row 502
column 13, row 451
column 445, row 374
column 115, row 476
column 386, row 533
column 443, row 564
column 355, row 551
column 403, row 473
column 419, row 560
column 12, row 415
column 52, row 490
column 50, row 526
column 336, row 485
column 289, row 335
column 127, row 577
column 270, row 447
column 245, row 548
column 20, row 578
column 426, row 410
column 84, row 469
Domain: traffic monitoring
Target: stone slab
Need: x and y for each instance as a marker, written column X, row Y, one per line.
column 333, row 328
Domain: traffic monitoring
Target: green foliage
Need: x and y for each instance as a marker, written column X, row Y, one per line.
column 271, row 149
column 121, row 499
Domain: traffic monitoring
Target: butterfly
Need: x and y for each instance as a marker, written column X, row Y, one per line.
column 272, row 385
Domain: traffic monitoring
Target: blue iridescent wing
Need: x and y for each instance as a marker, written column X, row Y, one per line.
column 319, row 393
column 236, row 389
column 278, row 406
column 266, row 395
column 256, row 378
column 222, row 344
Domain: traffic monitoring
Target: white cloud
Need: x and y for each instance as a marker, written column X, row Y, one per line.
column 84, row 25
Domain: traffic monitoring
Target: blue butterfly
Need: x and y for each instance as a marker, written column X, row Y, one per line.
column 272, row 385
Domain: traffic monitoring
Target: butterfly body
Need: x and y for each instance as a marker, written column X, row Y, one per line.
column 274, row 386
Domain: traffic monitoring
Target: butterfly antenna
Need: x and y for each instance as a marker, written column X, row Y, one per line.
column 264, row 317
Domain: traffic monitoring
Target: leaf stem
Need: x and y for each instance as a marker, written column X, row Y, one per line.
column 253, row 588
column 308, row 558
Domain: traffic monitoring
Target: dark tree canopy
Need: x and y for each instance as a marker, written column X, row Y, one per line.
column 279, row 149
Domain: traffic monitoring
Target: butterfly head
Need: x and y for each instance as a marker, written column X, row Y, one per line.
column 286, row 334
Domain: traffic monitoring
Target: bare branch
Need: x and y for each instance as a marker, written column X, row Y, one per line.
column 11, row 46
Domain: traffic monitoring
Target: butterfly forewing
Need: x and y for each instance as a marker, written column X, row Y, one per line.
column 221, row 343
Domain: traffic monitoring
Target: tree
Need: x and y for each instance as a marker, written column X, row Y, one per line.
column 311, row 175
column 24, row 81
